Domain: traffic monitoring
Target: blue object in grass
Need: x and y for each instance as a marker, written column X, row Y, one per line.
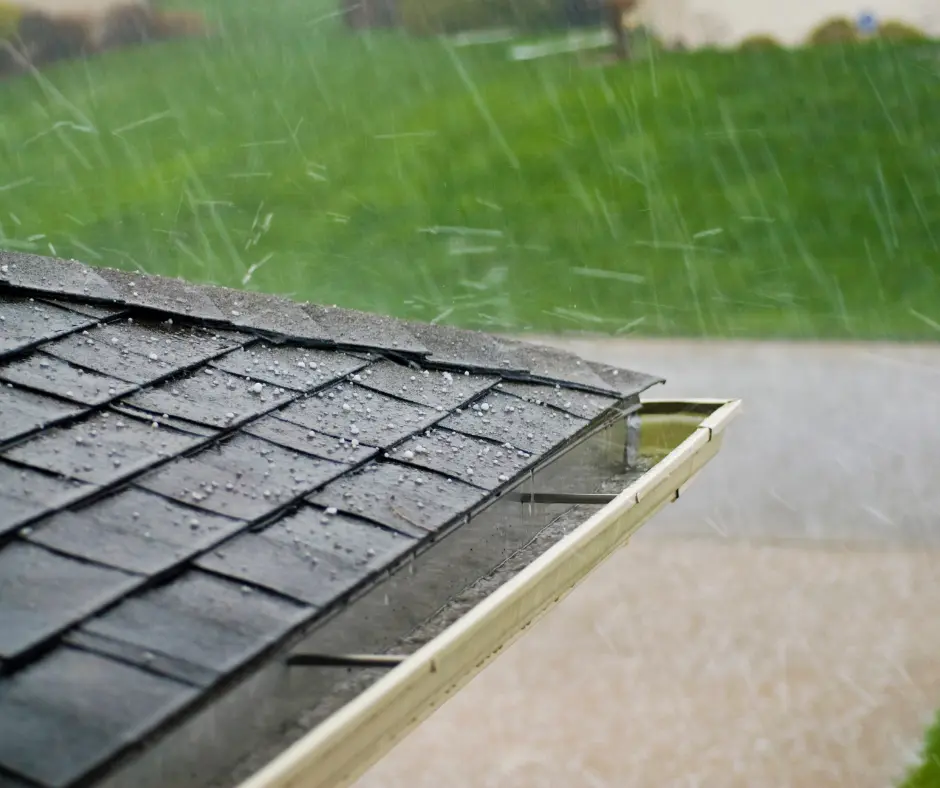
column 867, row 23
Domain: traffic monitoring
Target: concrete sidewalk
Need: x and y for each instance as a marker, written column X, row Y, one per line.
column 772, row 628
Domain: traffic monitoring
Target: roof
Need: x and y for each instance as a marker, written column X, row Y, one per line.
column 191, row 475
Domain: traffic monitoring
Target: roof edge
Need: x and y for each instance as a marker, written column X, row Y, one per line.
column 281, row 319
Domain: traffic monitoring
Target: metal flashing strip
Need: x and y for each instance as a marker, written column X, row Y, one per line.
column 347, row 743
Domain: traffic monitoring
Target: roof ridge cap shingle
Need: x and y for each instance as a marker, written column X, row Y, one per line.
column 282, row 319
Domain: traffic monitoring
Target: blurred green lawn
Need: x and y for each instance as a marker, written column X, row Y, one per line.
column 723, row 194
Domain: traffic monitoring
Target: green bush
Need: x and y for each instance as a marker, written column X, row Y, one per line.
column 9, row 20
column 424, row 17
column 927, row 773
column 893, row 30
column 760, row 42
column 834, row 31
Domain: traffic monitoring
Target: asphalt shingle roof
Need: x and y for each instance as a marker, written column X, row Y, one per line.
column 191, row 475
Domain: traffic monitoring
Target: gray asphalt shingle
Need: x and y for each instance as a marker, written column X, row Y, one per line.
column 189, row 474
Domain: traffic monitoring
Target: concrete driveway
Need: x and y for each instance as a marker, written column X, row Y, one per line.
column 773, row 627
column 837, row 441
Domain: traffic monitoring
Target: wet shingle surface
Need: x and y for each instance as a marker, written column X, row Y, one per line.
column 26, row 493
column 189, row 474
column 52, row 375
column 42, row 592
column 103, row 448
column 169, row 344
column 89, row 350
column 579, row 403
column 71, row 711
column 169, row 295
column 157, row 626
column 245, row 477
column 437, row 388
column 22, row 411
column 134, row 530
column 515, row 422
column 289, row 366
column 463, row 349
column 24, row 322
column 211, row 397
column 89, row 310
column 265, row 313
column 305, row 441
column 550, row 364
column 356, row 413
column 408, row 500
column 351, row 327
column 58, row 277
column 472, row 460
column 312, row 556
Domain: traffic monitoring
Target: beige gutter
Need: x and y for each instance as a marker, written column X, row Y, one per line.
column 342, row 748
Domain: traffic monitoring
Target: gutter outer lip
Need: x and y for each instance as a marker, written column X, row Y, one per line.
column 345, row 745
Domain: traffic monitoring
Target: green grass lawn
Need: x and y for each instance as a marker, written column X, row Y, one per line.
column 759, row 194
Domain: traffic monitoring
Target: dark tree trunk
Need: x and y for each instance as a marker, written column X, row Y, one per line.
column 366, row 14
column 615, row 13
column 352, row 15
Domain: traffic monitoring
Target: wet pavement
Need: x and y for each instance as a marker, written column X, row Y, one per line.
column 770, row 628
column 836, row 441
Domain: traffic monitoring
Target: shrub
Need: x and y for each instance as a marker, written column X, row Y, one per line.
column 9, row 20
column 759, row 43
column 893, row 30
column 425, row 17
column 834, row 31
column 46, row 39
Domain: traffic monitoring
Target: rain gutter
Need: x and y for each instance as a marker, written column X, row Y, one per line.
column 687, row 434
